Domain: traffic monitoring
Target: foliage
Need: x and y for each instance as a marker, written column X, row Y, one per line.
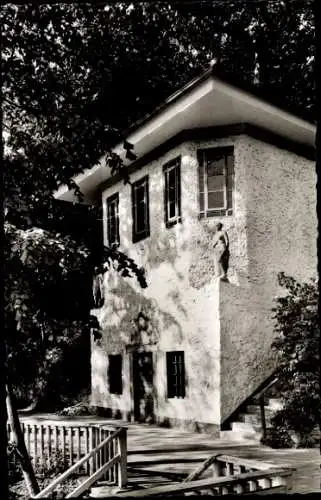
column 78, row 410
column 277, row 437
column 14, row 469
column 297, row 345
column 52, row 465
column 67, row 97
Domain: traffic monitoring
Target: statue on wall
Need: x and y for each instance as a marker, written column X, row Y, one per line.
column 98, row 289
column 222, row 252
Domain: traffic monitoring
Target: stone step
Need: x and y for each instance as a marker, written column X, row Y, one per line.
column 241, row 436
column 250, row 418
column 275, row 404
column 245, row 427
column 256, row 410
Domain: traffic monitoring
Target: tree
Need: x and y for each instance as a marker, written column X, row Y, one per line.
column 297, row 345
column 67, row 97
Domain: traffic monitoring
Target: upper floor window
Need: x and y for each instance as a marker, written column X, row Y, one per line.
column 175, row 374
column 172, row 194
column 140, row 207
column 113, row 220
column 216, row 173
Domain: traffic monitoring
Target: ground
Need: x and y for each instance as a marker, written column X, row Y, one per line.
column 160, row 450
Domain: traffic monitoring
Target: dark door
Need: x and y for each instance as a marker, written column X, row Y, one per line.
column 143, row 387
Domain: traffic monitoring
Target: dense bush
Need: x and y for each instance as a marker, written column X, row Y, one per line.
column 297, row 345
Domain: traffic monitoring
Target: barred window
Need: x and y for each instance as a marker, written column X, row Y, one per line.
column 175, row 374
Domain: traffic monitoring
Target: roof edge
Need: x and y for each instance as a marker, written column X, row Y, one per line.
column 227, row 79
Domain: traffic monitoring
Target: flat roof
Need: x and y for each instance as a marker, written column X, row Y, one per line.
column 209, row 100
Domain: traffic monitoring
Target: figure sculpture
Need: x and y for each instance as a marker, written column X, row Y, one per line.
column 221, row 249
column 98, row 289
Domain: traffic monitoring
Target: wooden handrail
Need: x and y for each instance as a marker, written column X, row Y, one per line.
column 196, row 474
column 74, row 467
column 207, row 483
column 262, row 391
column 249, row 462
column 92, row 479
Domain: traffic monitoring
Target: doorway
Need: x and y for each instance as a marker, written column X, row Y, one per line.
column 143, row 387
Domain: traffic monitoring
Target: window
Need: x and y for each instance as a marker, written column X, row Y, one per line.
column 216, row 173
column 140, row 209
column 113, row 220
column 175, row 374
column 172, row 193
column 115, row 374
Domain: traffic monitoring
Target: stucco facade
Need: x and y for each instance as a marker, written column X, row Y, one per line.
column 224, row 328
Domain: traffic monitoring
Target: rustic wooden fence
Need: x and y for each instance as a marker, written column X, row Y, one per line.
column 272, row 481
column 63, row 444
column 228, row 475
column 101, row 456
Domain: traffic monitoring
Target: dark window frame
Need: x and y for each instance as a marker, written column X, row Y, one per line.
column 113, row 200
column 173, row 165
column 175, row 371
column 226, row 152
column 115, row 374
column 140, row 235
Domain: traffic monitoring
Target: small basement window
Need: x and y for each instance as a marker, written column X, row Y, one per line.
column 115, row 375
column 175, row 374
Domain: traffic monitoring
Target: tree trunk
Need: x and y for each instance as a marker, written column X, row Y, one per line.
column 19, row 442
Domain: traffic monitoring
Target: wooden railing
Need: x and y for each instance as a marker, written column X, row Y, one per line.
column 105, row 464
column 230, row 475
column 63, row 442
column 97, row 451
column 259, row 482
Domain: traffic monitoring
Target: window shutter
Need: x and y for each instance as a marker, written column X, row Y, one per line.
column 172, row 192
column 113, row 219
column 140, row 209
column 201, row 180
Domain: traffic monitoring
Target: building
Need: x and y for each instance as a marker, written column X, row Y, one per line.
column 191, row 348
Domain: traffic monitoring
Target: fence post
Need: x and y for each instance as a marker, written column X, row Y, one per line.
column 262, row 413
column 122, row 465
column 217, row 469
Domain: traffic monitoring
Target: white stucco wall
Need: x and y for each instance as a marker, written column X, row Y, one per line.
column 182, row 297
column 281, row 212
column 224, row 329
column 281, row 228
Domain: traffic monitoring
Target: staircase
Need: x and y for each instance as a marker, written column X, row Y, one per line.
column 247, row 424
column 248, row 421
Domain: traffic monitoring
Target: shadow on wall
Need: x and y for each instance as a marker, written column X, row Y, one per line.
column 247, row 331
column 180, row 270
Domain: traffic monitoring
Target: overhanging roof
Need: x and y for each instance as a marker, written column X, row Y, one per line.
column 206, row 101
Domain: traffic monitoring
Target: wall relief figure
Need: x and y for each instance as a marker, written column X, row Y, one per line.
column 144, row 332
column 222, row 252
column 98, row 289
